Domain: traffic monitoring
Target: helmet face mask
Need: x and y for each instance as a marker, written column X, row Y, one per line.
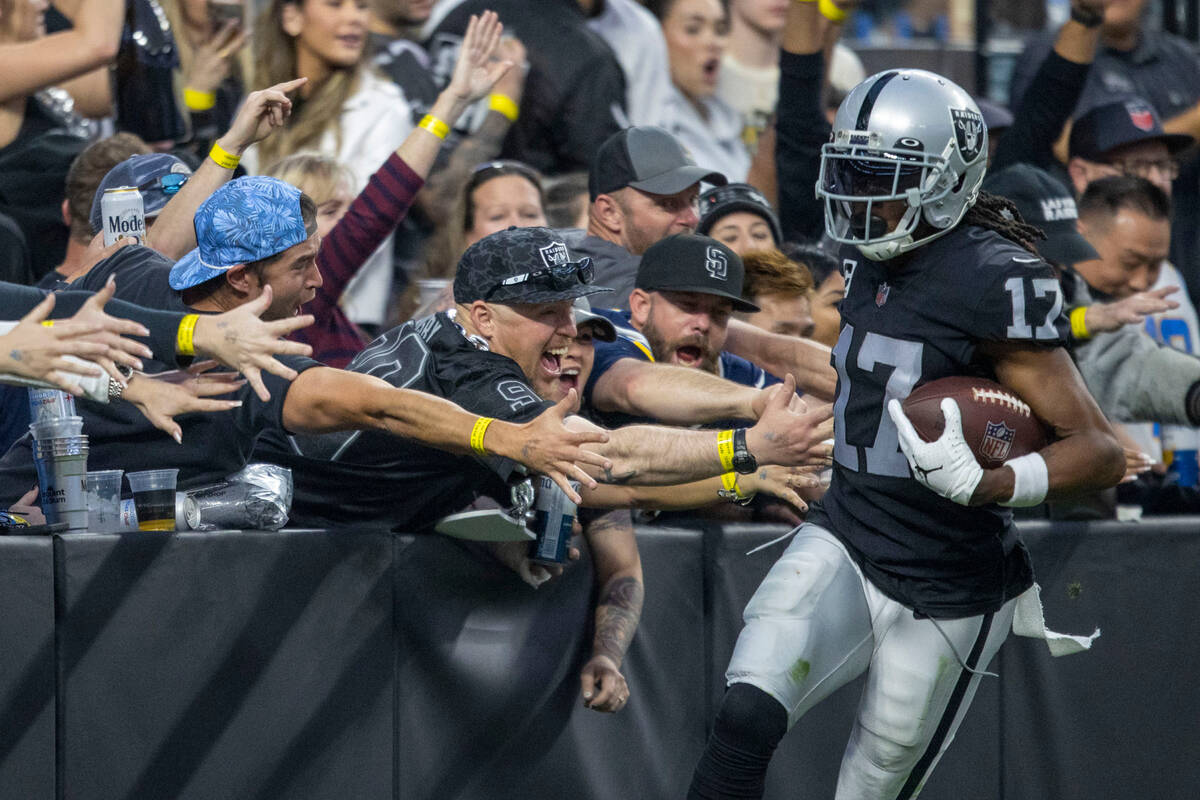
column 907, row 137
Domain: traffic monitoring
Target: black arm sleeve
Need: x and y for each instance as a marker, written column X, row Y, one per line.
column 1039, row 117
column 801, row 130
column 17, row 301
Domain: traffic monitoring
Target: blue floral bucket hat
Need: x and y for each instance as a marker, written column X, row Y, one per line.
column 246, row 220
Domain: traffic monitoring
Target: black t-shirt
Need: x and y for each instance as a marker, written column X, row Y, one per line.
column 574, row 93
column 142, row 278
column 373, row 477
column 119, row 437
column 905, row 323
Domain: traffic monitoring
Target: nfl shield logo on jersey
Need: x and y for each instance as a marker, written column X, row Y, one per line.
column 997, row 440
column 881, row 294
column 968, row 130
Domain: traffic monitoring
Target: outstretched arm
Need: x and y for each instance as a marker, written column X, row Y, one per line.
column 323, row 399
column 619, row 607
column 673, row 395
column 779, row 354
column 780, row 482
column 27, row 67
column 655, row 455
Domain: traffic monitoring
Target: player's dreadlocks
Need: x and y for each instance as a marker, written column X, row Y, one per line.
column 998, row 214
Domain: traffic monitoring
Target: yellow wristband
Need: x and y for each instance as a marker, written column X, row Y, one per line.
column 199, row 101
column 48, row 323
column 435, row 126
column 481, row 426
column 184, row 345
column 224, row 158
column 725, row 450
column 1078, row 327
column 505, row 105
column 830, row 11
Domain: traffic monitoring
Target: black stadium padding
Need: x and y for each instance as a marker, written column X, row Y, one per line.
column 363, row 664
column 27, row 667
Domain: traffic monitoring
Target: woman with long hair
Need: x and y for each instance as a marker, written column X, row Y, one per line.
column 345, row 111
column 352, row 227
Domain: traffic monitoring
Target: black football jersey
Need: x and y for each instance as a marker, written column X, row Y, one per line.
column 906, row 322
column 373, row 477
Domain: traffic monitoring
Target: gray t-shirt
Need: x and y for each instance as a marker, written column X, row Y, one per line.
column 615, row 266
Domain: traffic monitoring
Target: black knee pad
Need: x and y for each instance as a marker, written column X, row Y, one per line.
column 747, row 730
column 750, row 719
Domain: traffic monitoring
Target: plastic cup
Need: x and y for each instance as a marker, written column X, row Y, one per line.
column 154, row 498
column 62, row 479
column 104, row 500
column 50, row 404
column 56, row 427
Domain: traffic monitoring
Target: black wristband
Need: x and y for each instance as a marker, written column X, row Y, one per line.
column 1192, row 402
column 1088, row 18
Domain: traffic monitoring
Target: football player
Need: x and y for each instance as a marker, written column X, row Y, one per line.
column 910, row 568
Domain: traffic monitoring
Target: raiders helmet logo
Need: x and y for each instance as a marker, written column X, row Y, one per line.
column 968, row 130
column 716, row 264
column 554, row 254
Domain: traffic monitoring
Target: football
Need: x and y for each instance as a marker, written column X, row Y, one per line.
column 997, row 424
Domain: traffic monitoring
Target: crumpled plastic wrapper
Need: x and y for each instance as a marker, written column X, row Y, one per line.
column 257, row 498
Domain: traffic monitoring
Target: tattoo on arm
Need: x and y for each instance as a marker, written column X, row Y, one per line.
column 15, row 355
column 619, row 478
column 617, row 615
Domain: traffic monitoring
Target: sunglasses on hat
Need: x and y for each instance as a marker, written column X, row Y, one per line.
column 556, row 278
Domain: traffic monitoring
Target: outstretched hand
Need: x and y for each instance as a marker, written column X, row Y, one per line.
column 782, row 482
column 166, row 395
column 545, row 445
column 1131, row 310
column 477, row 70
column 243, row 342
column 791, row 433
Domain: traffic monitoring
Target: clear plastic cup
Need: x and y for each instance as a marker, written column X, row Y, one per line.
column 154, row 498
column 56, row 427
column 104, row 501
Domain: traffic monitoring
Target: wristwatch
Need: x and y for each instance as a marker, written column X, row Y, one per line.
column 116, row 389
column 1087, row 17
column 743, row 462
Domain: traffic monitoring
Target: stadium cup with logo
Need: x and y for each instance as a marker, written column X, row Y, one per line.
column 62, row 476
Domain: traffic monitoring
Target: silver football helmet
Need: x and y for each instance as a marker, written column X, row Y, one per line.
column 907, row 135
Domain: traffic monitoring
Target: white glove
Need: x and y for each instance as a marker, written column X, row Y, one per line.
column 947, row 466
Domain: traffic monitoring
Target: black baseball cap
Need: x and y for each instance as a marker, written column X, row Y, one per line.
column 722, row 200
column 996, row 117
column 1046, row 203
column 647, row 158
column 522, row 265
column 688, row 262
column 1108, row 126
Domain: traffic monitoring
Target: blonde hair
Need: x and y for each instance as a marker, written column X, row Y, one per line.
column 317, row 175
column 275, row 62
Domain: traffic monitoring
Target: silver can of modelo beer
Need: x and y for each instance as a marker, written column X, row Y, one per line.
column 123, row 214
column 553, row 519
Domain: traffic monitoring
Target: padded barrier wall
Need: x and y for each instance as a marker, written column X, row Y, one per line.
column 357, row 664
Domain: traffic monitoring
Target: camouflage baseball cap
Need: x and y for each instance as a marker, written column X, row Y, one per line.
column 522, row 265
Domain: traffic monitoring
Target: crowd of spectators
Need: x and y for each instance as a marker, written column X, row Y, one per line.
column 410, row 190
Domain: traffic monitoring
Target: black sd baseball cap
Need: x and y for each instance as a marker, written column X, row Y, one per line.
column 687, row 262
column 647, row 158
column 522, row 265
column 1106, row 127
column 1046, row 203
